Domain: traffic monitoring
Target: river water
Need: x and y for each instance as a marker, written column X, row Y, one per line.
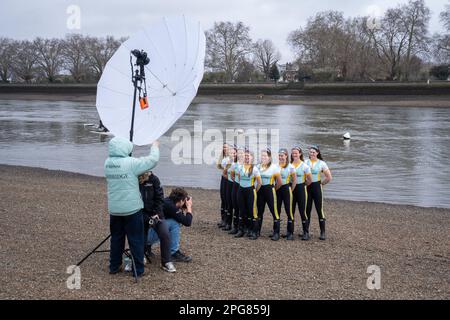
column 396, row 155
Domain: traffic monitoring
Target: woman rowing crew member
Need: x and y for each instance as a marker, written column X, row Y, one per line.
column 248, row 173
column 221, row 163
column 270, row 176
column 234, row 194
column 315, row 190
column 284, row 193
column 300, row 192
column 232, row 155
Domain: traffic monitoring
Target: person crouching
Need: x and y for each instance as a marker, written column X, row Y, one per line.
column 154, row 223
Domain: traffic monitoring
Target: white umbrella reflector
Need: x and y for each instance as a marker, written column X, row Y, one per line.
column 176, row 48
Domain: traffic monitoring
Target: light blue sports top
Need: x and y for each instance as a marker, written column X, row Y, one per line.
column 269, row 175
column 236, row 167
column 302, row 170
column 286, row 173
column 247, row 181
column 316, row 168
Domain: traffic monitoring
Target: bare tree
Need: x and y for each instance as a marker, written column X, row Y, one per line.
column 364, row 61
column 25, row 61
column 441, row 42
column 445, row 17
column 327, row 42
column 75, row 59
column 99, row 51
column 50, row 56
column 390, row 41
column 226, row 45
column 416, row 17
column 265, row 55
column 7, row 52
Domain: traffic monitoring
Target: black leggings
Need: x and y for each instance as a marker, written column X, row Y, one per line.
column 315, row 193
column 300, row 196
column 267, row 194
column 247, row 207
column 234, row 200
column 223, row 197
column 229, row 201
column 284, row 195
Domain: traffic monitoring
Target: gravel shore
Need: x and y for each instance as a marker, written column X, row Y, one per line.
column 51, row 219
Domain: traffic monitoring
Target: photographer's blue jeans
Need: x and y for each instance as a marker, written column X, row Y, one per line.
column 174, row 231
column 132, row 227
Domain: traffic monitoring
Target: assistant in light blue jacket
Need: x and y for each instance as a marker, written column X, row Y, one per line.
column 122, row 172
column 124, row 201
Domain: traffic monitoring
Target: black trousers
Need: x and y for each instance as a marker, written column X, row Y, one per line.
column 285, row 197
column 223, row 198
column 247, row 207
column 234, row 200
column 229, row 201
column 162, row 230
column 315, row 194
column 300, row 194
column 267, row 195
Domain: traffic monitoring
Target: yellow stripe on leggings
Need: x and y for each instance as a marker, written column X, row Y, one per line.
column 322, row 213
column 275, row 204
column 291, row 199
column 306, row 200
column 255, row 210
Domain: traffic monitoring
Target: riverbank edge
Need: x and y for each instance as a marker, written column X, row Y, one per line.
column 312, row 101
column 100, row 178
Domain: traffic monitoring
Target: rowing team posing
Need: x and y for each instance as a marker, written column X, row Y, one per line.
column 245, row 189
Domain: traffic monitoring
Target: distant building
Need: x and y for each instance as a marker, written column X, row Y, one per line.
column 288, row 72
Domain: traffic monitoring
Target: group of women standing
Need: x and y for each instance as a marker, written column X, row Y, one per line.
column 246, row 189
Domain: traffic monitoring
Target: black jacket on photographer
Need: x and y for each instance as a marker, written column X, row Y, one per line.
column 172, row 212
column 153, row 197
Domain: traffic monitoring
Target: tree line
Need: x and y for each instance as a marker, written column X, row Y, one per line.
column 330, row 47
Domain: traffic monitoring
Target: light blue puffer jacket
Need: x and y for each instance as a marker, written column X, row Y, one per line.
column 122, row 172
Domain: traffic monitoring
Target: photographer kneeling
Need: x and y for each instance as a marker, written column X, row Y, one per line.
column 153, row 198
column 177, row 209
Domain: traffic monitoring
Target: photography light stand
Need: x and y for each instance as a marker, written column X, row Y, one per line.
column 138, row 79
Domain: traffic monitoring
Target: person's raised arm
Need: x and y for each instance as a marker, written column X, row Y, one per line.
column 140, row 165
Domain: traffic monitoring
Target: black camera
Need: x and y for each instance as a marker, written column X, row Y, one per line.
column 184, row 205
column 141, row 57
column 153, row 221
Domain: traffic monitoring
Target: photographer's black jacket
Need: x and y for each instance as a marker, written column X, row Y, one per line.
column 153, row 196
column 172, row 212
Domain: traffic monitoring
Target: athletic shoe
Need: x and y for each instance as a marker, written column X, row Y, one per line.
column 180, row 257
column 169, row 267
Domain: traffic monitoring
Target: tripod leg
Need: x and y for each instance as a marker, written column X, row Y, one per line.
column 88, row 255
column 134, row 269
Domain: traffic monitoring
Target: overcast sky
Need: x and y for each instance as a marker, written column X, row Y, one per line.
column 267, row 19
